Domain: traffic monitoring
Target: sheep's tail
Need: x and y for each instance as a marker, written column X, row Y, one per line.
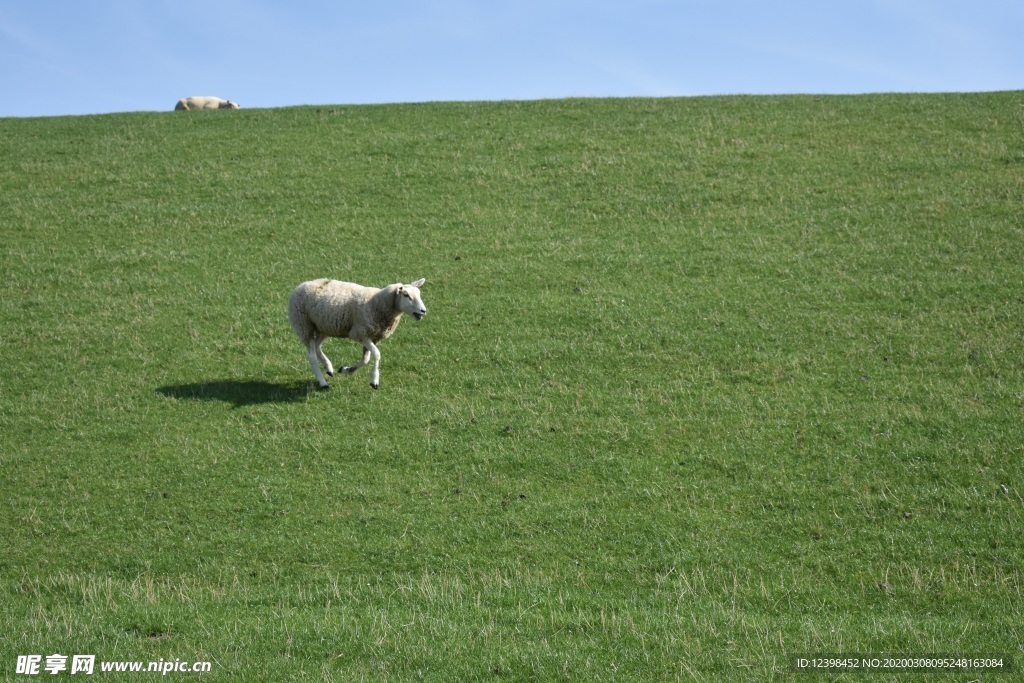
column 300, row 322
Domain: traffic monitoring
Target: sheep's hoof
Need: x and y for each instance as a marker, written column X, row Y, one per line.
column 323, row 387
column 374, row 386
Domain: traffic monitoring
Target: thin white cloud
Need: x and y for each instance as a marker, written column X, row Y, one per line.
column 635, row 79
column 21, row 39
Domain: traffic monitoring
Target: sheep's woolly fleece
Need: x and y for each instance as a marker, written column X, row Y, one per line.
column 324, row 308
column 189, row 103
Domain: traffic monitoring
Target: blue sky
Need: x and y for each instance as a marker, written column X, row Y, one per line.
column 83, row 57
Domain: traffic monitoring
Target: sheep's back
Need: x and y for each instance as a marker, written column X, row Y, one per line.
column 202, row 102
column 333, row 306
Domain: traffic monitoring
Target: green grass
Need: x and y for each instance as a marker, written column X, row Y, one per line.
column 705, row 384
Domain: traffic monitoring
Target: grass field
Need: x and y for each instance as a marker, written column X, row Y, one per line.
column 706, row 384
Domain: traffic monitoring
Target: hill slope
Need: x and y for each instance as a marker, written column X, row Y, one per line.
column 705, row 384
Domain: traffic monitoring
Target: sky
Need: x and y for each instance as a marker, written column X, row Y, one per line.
column 71, row 57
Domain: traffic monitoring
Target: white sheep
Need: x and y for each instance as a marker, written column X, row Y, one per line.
column 187, row 103
column 324, row 308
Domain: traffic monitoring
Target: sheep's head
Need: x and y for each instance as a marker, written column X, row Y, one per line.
column 228, row 104
column 409, row 301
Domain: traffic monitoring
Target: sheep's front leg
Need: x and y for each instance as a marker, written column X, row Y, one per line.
column 375, row 352
column 363, row 361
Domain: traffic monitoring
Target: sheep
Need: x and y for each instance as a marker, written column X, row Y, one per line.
column 187, row 103
column 324, row 308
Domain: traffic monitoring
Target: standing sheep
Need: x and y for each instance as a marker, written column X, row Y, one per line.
column 324, row 308
column 188, row 103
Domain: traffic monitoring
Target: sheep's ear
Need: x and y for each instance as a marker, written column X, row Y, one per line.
column 418, row 283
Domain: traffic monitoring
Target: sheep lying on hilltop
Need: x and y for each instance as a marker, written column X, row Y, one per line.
column 187, row 103
column 324, row 308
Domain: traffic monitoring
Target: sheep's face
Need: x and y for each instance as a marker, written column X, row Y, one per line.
column 409, row 300
column 228, row 104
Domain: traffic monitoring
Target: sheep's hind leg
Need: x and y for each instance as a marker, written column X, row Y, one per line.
column 323, row 359
column 311, row 353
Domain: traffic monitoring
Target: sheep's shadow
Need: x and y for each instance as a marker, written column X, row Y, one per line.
column 239, row 392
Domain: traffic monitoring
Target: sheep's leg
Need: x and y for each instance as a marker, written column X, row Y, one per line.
column 363, row 361
column 375, row 352
column 324, row 359
column 312, row 351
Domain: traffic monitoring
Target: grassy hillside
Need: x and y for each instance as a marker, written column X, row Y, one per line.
column 705, row 384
